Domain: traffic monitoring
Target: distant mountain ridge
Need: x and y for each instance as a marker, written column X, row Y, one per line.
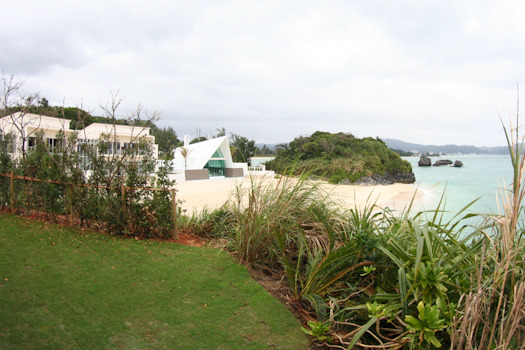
column 447, row 149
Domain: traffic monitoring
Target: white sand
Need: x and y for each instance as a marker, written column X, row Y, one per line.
column 212, row 194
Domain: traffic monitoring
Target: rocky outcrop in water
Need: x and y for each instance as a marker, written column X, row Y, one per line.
column 442, row 162
column 424, row 161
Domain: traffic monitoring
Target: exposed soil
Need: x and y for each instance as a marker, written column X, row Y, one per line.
column 184, row 238
column 275, row 284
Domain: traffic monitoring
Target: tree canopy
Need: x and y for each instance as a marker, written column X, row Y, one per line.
column 166, row 138
column 242, row 148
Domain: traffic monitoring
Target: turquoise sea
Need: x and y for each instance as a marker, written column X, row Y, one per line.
column 480, row 178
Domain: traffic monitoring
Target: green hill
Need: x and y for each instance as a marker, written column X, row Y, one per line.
column 342, row 157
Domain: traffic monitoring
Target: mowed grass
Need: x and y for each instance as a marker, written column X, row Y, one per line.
column 62, row 288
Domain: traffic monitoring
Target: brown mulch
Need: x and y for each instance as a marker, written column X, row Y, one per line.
column 190, row 239
column 184, row 238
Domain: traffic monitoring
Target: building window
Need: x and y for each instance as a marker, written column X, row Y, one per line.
column 31, row 143
column 53, row 144
column 84, row 146
column 113, row 147
column 217, row 154
column 129, row 145
column 109, row 148
column 135, row 148
column 216, row 167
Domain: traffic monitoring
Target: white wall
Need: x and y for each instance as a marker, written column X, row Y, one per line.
column 244, row 167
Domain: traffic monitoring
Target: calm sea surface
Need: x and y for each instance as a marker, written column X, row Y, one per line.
column 480, row 177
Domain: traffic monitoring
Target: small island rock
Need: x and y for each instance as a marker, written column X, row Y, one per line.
column 424, row 161
column 442, row 162
column 458, row 164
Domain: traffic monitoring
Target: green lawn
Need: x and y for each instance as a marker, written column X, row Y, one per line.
column 62, row 288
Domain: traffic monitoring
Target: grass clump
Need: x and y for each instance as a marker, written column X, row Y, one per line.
column 263, row 220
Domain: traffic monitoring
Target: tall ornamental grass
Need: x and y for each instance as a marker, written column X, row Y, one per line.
column 492, row 314
column 267, row 217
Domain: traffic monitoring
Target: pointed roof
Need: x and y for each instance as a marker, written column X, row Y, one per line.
column 201, row 152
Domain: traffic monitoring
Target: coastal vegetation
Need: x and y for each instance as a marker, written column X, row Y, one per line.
column 363, row 278
column 341, row 157
column 374, row 279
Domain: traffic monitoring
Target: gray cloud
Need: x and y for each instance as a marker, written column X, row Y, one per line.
column 418, row 71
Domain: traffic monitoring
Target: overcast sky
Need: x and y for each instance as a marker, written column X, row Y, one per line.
column 431, row 72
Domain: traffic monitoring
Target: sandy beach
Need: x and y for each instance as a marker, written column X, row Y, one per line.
column 196, row 195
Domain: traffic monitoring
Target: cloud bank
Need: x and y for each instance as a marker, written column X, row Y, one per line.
column 425, row 72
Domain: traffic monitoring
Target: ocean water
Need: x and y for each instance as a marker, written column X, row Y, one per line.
column 479, row 179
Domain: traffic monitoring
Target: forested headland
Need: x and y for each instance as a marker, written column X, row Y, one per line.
column 341, row 158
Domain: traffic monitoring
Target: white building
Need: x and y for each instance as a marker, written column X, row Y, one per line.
column 205, row 160
column 118, row 137
column 21, row 131
column 258, row 163
column 20, row 127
